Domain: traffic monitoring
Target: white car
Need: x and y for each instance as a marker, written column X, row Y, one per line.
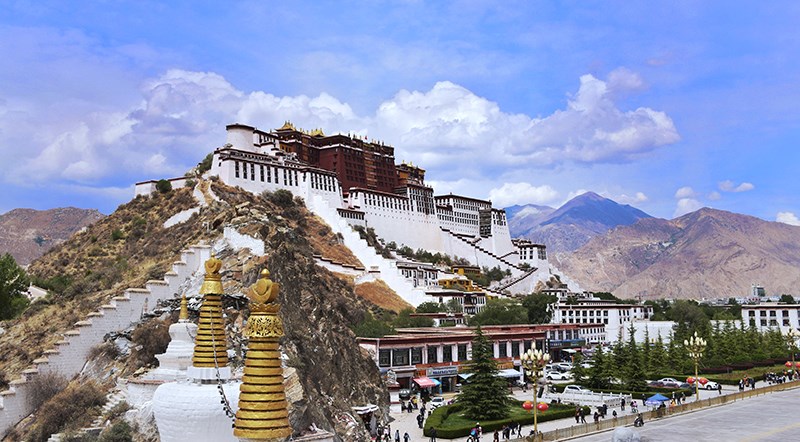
column 563, row 366
column 577, row 389
column 557, row 376
column 710, row 385
column 436, row 402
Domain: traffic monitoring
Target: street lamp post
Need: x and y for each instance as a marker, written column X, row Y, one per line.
column 791, row 337
column 533, row 360
column 695, row 345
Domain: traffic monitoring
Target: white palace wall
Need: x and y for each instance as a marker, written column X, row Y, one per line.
column 70, row 354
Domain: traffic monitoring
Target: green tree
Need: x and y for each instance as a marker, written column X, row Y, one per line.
column 658, row 357
column 537, row 306
column 163, row 186
column 578, row 371
column 430, row 307
column 372, row 328
column 689, row 318
column 13, row 285
column 787, row 299
column 598, row 375
column 633, row 372
column 405, row 320
column 485, row 397
column 205, row 165
column 453, row 306
column 500, row 312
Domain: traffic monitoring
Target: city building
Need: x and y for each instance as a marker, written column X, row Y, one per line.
column 772, row 315
column 615, row 316
column 425, row 357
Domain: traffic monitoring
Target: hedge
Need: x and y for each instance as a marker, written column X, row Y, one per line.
column 440, row 415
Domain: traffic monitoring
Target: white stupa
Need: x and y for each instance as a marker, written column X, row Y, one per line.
column 201, row 407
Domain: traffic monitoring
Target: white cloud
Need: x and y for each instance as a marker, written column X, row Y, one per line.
column 730, row 186
column 459, row 137
column 510, row 194
column 686, row 205
column 685, row 192
column 714, row 196
column 639, row 197
column 787, row 218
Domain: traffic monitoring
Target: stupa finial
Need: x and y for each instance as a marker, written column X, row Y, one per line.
column 184, row 315
column 263, row 413
column 210, row 348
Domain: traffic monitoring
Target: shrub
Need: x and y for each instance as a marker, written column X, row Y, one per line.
column 67, row 408
column 281, row 198
column 149, row 339
column 117, row 235
column 119, row 432
column 205, row 165
column 44, row 387
column 163, row 186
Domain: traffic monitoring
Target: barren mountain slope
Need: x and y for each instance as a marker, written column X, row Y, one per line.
column 707, row 253
column 27, row 234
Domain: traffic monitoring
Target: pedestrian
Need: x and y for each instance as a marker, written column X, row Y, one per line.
column 433, row 434
column 420, row 420
column 752, row 384
column 596, row 417
column 583, row 416
column 519, row 429
column 496, row 436
column 396, row 435
column 506, row 432
column 577, row 415
column 406, row 437
column 605, row 410
column 719, row 388
column 623, row 404
column 614, row 415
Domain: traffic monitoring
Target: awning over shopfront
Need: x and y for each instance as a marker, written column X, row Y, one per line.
column 424, row 382
column 508, row 373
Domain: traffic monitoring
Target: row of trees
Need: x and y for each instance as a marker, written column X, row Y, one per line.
column 629, row 362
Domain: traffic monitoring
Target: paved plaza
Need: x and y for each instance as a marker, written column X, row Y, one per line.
column 761, row 418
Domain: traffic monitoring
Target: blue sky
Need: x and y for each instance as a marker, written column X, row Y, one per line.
column 667, row 107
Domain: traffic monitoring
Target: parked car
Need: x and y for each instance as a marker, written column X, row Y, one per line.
column 576, row 389
column 665, row 383
column 436, row 402
column 563, row 366
column 557, row 375
column 710, row 385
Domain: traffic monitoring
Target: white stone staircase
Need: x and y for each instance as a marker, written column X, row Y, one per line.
column 70, row 354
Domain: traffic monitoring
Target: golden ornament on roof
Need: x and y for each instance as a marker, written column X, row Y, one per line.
column 212, row 284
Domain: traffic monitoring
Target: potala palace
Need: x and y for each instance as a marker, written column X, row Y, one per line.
column 349, row 181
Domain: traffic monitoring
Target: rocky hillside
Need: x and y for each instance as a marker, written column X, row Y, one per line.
column 132, row 245
column 573, row 224
column 704, row 254
column 27, row 234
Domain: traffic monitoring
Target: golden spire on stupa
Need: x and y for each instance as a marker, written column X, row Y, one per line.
column 210, row 348
column 184, row 315
column 263, row 413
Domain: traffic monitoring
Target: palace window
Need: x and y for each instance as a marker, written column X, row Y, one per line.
column 244, row 170
column 236, row 168
column 385, row 358
column 400, row 357
column 416, row 355
column 462, row 352
column 262, row 173
column 515, row 349
column 447, row 353
column 433, row 355
column 502, row 349
column 252, row 172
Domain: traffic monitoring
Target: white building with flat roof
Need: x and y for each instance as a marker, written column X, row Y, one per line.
column 769, row 315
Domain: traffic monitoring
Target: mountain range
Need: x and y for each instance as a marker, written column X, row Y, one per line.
column 705, row 254
column 27, row 234
column 572, row 225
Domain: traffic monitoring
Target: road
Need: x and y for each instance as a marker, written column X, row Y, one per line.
column 762, row 418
